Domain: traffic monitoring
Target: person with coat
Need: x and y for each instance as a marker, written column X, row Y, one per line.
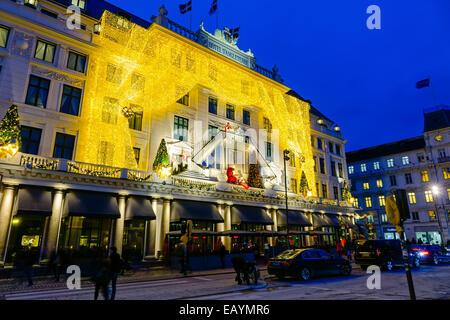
column 101, row 276
column 115, row 268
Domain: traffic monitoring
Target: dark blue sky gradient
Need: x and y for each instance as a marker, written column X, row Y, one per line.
column 362, row 79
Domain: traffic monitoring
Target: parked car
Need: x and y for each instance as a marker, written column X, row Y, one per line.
column 307, row 263
column 386, row 254
column 431, row 253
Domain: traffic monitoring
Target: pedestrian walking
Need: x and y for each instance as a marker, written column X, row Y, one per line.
column 266, row 252
column 116, row 264
column 223, row 252
column 339, row 249
column 101, row 276
column 26, row 261
column 55, row 264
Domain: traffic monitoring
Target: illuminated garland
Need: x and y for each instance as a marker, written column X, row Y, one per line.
column 193, row 185
column 95, row 173
column 135, row 177
column 153, row 68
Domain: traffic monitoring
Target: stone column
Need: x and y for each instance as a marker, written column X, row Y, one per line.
column 227, row 225
column 163, row 227
column 221, row 225
column 151, row 232
column 54, row 225
column 119, row 225
column 6, row 208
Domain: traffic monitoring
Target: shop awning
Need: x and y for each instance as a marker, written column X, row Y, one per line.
column 194, row 210
column 347, row 221
column 247, row 214
column 91, row 204
column 139, row 208
column 332, row 220
column 296, row 218
column 318, row 221
column 34, row 200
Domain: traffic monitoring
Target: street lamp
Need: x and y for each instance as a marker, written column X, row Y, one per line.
column 435, row 190
column 286, row 158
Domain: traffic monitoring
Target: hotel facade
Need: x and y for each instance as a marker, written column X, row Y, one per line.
column 100, row 97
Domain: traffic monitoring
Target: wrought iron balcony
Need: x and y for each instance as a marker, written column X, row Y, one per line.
column 34, row 162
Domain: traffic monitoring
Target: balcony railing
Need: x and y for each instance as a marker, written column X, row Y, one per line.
column 36, row 162
column 94, row 170
column 191, row 35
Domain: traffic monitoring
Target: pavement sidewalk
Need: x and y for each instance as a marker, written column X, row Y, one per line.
column 8, row 286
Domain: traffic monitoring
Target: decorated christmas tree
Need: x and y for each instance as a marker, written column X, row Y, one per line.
column 304, row 188
column 10, row 133
column 254, row 176
column 162, row 161
column 346, row 195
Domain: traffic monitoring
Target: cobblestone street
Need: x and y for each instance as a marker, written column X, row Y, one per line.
column 431, row 282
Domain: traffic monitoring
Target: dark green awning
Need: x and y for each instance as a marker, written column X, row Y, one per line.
column 251, row 215
column 318, row 221
column 34, row 200
column 296, row 218
column 91, row 204
column 332, row 220
column 195, row 211
column 139, row 208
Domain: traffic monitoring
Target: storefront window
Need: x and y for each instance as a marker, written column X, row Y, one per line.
column 429, row 237
column 133, row 240
column 26, row 230
column 80, row 233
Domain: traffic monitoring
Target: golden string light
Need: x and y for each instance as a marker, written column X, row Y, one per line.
column 153, row 68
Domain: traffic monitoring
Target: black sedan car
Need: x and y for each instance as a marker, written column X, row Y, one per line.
column 433, row 254
column 307, row 263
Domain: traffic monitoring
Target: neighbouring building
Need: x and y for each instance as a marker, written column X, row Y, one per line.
column 131, row 127
column 421, row 166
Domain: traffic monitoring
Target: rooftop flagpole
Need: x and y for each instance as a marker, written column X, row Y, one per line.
column 434, row 94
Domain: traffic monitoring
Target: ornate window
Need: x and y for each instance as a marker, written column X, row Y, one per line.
column 76, row 62
column 4, row 35
column 37, row 93
column 45, row 51
column 70, row 102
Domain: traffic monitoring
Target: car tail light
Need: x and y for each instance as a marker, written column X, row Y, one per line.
column 378, row 252
column 286, row 263
column 425, row 253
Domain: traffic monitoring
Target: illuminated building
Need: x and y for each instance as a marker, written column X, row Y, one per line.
column 421, row 166
column 95, row 104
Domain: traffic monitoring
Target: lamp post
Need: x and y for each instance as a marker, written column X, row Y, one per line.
column 286, row 158
column 435, row 190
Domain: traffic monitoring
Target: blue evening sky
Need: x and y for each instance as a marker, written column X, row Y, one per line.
column 362, row 79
